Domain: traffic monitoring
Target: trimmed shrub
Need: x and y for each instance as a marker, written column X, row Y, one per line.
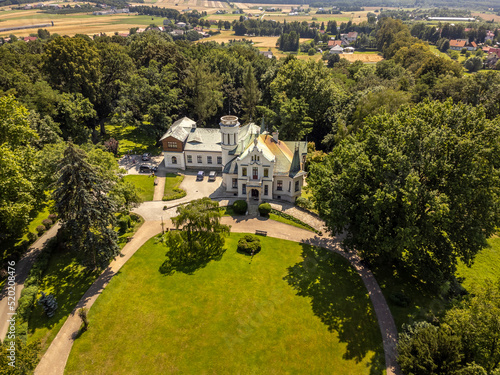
column 304, row 203
column 240, row 207
column 26, row 301
column 294, row 219
column 47, row 223
column 40, row 229
column 249, row 244
column 124, row 223
column 53, row 217
column 32, row 237
column 179, row 193
column 264, row 209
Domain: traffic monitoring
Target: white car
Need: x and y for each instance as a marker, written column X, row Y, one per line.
column 212, row 175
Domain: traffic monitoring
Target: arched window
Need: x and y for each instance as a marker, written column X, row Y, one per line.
column 174, row 160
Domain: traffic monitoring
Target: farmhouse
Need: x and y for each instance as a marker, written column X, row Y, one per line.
column 253, row 162
column 459, row 44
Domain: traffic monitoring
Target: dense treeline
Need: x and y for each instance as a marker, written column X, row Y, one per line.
column 405, row 155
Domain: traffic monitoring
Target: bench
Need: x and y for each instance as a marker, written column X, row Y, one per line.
column 261, row 232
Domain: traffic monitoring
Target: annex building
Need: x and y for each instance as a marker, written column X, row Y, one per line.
column 253, row 162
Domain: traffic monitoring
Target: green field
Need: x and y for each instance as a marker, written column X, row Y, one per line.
column 143, row 184
column 280, row 312
column 130, row 138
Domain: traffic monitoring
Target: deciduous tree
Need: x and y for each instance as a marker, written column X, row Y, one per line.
column 418, row 189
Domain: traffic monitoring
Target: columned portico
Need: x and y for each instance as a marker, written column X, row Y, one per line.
column 254, row 193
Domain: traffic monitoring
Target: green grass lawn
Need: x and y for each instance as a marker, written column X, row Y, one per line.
column 131, row 138
column 68, row 281
column 172, row 182
column 291, row 309
column 145, row 185
column 289, row 222
column 423, row 303
column 486, row 266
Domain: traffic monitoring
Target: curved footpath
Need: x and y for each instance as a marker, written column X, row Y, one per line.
column 22, row 269
column 54, row 360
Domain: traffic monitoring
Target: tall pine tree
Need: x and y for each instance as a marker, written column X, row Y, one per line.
column 86, row 211
column 251, row 94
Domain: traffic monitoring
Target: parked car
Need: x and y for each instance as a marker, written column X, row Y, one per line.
column 146, row 156
column 212, row 175
column 200, row 175
column 145, row 168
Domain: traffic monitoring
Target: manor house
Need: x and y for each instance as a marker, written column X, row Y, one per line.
column 253, row 163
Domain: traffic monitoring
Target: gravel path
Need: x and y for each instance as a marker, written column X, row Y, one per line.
column 22, row 269
column 54, row 360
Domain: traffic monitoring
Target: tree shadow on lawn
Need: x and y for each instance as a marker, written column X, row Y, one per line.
column 189, row 261
column 68, row 282
column 340, row 299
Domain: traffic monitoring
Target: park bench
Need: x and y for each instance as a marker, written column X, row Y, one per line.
column 261, row 232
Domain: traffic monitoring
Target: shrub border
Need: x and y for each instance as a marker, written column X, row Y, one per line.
column 294, row 219
column 179, row 193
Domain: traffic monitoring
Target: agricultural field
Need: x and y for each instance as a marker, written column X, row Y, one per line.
column 71, row 24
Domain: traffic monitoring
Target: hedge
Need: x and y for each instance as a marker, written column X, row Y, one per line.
column 249, row 244
column 179, row 193
column 240, row 207
column 264, row 209
column 295, row 220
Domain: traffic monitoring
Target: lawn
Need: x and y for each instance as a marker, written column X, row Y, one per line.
column 144, row 185
column 67, row 280
column 280, row 312
column 287, row 221
column 423, row 304
column 486, row 266
column 172, row 190
column 131, row 138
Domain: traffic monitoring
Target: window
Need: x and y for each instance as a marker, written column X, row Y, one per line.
column 266, row 190
column 244, row 189
column 255, row 173
column 190, row 158
column 174, row 160
column 266, row 172
column 219, row 159
column 235, row 183
column 280, row 185
column 199, row 159
column 297, row 185
column 172, row 144
column 289, row 185
column 209, row 160
column 243, row 171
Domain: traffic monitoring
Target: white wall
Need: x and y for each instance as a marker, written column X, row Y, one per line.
column 167, row 157
column 204, row 164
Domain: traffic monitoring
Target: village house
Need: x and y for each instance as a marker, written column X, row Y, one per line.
column 253, row 163
column 459, row 44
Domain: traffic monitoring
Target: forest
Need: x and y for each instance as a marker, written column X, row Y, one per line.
column 411, row 143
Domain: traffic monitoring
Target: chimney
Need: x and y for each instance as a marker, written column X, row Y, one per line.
column 275, row 136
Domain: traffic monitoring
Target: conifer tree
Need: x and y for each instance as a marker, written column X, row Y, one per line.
column 251, row 95
column 85, row 209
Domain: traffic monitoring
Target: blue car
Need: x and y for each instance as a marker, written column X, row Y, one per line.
column 200, row 175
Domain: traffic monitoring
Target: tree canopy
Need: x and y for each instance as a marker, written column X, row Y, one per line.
column 419, row 188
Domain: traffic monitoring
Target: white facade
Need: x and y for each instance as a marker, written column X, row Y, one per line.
column 254, row 164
